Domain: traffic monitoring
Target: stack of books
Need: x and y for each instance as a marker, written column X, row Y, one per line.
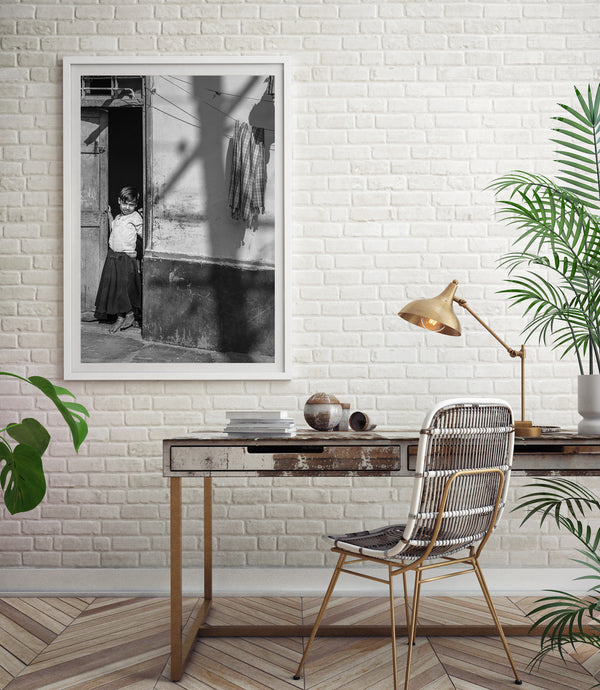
column 259, row 424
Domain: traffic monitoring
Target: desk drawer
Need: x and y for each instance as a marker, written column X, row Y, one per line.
column 272, row 460
column 539, row 458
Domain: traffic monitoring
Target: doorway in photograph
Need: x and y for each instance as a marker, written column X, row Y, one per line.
column 112, row 156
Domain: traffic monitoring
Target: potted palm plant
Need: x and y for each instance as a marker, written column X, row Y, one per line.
column 565, row 619
column 554, row 270
column 22, row 476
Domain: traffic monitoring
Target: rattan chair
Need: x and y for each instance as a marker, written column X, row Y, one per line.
column 461, row 480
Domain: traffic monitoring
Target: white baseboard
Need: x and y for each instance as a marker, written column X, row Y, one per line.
column 266, row 581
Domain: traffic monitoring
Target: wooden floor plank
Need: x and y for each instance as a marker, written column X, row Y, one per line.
column 28, row 626
column 72, row 606
column 116, row 643
column 343, row 667
column 255, row 610
column 94, row 666
column 106, row 647
column 8, row 661
column 141, row 676
column 481, row 663
column 23, row 627
column 17, row 651
column 355, row 611
column 470, row 610
column 45, row 613
column 240, row 667
column 589, row 657
column 426, row 669
column 5, row 677
column 272, row 660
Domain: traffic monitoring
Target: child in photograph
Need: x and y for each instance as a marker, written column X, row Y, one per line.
column 120, row 289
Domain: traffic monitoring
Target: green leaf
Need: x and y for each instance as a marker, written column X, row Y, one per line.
column 583, row 125
column 570, row 145
column 30, row 433
column 6, row 456
column 73, row 417
column 557, row 233
column 559, row 617
column 25, row 483
column 573, row 135
column 22, row 475
column 581, row 120
column 73, row 413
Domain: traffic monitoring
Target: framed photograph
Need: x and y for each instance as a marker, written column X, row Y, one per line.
column 176, row 211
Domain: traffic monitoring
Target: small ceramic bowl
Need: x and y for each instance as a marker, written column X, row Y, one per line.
column 359, row 421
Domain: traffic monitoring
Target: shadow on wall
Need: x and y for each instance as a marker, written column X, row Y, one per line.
column 208, row 301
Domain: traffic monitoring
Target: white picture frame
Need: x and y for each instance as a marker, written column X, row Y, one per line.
column 215, row 264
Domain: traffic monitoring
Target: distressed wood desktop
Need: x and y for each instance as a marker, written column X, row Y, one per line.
column 321, row 454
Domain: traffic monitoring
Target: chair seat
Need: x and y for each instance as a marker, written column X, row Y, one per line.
column 378, row 543
column 375, row 543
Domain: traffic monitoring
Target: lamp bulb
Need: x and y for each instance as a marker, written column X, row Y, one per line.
column 431, row 324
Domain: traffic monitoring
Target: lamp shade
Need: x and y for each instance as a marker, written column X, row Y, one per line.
column 435, row 314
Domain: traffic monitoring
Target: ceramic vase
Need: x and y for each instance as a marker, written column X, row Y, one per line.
column 322, row 411
column 588, row 404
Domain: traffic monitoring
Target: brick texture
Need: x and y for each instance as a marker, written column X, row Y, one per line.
column 402, row 112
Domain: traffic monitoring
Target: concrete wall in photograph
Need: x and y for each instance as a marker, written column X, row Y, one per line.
column 192, row 124
column 224, row 307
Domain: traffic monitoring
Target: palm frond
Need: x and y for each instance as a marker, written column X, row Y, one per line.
column 578, row 150
column 563, row 619
column 554, row 644
column 555, row 495
column 567, row 314
column 551, row 216
column 558, row 243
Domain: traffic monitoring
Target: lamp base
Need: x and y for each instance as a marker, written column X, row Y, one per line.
column 527, row 430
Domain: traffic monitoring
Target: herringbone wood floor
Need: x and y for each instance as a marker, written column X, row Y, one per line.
column 114, row 644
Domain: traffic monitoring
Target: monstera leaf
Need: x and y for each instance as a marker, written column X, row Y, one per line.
column 72, row 412
column 22, row 476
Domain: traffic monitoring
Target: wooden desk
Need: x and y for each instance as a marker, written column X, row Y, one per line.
column 317, row 454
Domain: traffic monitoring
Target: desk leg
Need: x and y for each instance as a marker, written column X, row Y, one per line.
column 207, row 538
column 176, row 581
column 181, row 648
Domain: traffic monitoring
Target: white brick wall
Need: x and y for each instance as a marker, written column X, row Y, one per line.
column 403, row 111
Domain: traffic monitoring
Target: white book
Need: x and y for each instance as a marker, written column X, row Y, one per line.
column 256, row 414
column 262, row 434
column 261, row 422
column 247, row 429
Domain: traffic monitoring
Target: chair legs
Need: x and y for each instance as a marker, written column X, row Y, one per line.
column 411, row 620
column 412, row 625
column 332, row 583
column 393, row 621
column 406, row 611
column 327, row 597
column 492, row 608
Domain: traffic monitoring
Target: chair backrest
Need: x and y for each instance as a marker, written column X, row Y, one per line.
column 460, row 441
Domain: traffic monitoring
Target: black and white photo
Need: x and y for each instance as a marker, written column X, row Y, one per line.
column 175, row 219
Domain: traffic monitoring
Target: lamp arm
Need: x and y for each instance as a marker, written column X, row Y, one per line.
column 512, row 352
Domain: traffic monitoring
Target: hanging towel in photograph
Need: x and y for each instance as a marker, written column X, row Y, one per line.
column 248, row 172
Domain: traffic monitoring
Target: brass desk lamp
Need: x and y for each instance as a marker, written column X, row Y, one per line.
column 436, row 314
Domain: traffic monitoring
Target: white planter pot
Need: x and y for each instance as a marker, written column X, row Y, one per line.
column 588, row 403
